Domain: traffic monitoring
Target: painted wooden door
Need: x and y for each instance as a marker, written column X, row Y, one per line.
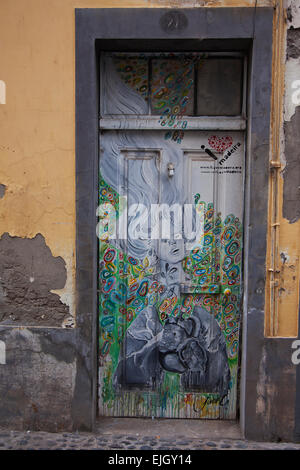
column 170, row 250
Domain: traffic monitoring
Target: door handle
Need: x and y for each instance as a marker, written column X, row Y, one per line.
column 227, row 291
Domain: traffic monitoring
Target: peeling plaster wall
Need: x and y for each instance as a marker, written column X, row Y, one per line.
column 293, row 13
column 289, row 181
column 28, row 272
column 291, row 173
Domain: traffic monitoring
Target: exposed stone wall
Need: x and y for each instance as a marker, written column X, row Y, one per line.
column 28, row 272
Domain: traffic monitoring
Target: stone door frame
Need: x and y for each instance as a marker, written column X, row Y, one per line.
column 158, row 29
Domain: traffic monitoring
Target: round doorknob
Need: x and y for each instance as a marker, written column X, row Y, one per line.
column 227, row 291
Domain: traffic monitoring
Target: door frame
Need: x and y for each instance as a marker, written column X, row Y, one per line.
column 159, row 29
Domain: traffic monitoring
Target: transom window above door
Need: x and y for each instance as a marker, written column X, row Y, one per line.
column 174, row 84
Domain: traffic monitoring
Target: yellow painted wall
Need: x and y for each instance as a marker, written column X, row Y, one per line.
column 37, row 123
column 288, row 292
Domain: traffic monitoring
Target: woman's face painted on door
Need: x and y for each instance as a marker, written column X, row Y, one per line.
column 171, row 251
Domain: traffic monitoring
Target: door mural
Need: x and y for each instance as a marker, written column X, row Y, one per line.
column 170, row 247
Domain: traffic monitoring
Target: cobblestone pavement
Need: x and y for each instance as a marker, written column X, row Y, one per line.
column 16, row 440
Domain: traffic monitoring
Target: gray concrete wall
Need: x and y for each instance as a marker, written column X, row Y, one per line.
column 45, row 383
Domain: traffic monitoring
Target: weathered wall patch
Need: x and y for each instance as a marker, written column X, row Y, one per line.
column 28, row 273
column 291, row 173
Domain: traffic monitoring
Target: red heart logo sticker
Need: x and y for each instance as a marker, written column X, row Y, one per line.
column 220, row 144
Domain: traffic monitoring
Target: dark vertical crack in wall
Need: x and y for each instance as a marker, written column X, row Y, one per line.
column 293, row 43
